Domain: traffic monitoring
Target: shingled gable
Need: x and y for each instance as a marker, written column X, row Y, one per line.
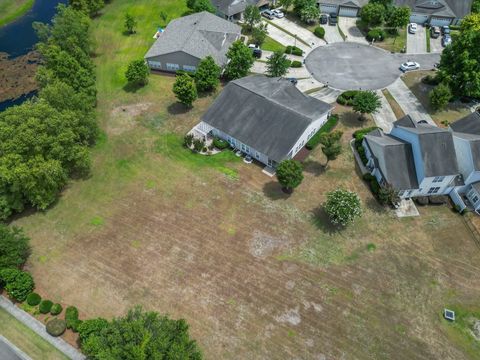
column 268, row 114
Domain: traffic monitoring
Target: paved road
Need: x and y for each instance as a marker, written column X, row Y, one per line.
column 350, row 29
column 331, row 34
column 417, row 43
column 409, row 102
column 353, row 66
column 8, row 351
column 385, row 116
column 436, row 45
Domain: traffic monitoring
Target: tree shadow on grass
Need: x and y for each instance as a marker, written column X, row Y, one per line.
column 313, row 167
column 273, row 190
column 373, row 205
column 177, row 108
column 322, row 222
column 132, row 87
column 350, row 119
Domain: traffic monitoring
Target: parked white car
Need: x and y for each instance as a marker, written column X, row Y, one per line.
column 412, row 28
column 409, row 65
column 278, row 13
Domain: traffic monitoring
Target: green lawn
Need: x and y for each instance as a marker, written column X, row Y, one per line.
column 393, row 43
column 272, row 45
column 12, row 9
column 27, row 340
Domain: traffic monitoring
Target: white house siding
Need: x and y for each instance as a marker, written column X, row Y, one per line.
column 418, row 18
column 457, row 199
column 308, row 133
column 328, row 8
column 348, row 11
column 440, row 21
column 428, row 183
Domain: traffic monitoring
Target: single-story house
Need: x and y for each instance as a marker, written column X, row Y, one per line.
column 232, row 10
column 189, row 39
column 422, row 160
column 266, row 118
column 433, row 12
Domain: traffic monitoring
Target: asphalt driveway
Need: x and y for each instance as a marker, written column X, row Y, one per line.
column 417, row 43
column 332, row 35
column 353, row 66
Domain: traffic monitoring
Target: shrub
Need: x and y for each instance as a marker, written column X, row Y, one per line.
column 376, row 34
column 33, row 299
column 198, row 145
column 346, row 98
column 71, row 318
column 359, row 134
column 293, row 50
column 327, row 127
column 188, row 140
column 91, row 326
column 368, row 177
column 18, row 284
column 342, row 207
column 220, row 143
column 56, row 309
column 14, row 248
column 45, row 306
column 319, row 31
column 296, row 64
column 431, row 80
column 56, row 327
column 289, row 174
column 361, row 153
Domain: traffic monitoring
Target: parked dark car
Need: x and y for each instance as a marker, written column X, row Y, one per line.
column 333, row 19
column 268, row 14
column 445, row 30
column 446, row 40
column 257, row 53
column 323, row 19
column 435, row 32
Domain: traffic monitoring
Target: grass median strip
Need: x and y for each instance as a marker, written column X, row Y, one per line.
column 397, row 110
column 427, row 35
column 288, row 32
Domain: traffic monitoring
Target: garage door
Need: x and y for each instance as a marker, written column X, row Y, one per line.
column 440, row 21
column 328, row 8
column 418, row 18
column 348, row 11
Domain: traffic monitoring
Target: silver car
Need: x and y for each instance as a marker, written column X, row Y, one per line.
column 409, row 65
column 278, row 13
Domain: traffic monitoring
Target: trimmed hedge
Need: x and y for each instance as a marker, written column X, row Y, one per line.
column 319, row 32
column 56, row 327
column 327, row 127
column 56, row 309
column 376, row 34
column 346, row 98
column 17, row 283
column 293, row 50
column 45, row 306
column 220, row 143
column 296, row 64
column 358, row 136
column 71, row 318
column 373, row 183
column 33, row 299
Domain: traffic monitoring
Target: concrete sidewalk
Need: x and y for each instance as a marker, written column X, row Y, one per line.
column 286, row 39
column 261, row 68
column 39, row 328
column 384, row 117
column 300, row 31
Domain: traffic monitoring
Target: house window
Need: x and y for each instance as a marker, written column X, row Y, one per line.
column 189, row 68
column 155, row 64
column 173, row 67
column 257, row 155
column 433, row 190
column 438, row 179
column 475, row 199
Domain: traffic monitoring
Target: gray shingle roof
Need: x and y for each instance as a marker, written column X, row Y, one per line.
column 199, row 35
column 437, row 8
column 267, row 114
column 436, row 147
column 351, row 3
column 232, row 7
column 394, row 157
column 469, row 124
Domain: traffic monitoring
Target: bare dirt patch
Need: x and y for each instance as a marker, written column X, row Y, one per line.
column 125, row 117
column 17, row 76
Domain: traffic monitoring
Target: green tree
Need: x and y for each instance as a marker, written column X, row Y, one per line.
column 88, row 7
column 259, row 34
column 388, row 195
column 141, row 335
column 460, row 64
column 130, row 23
column 14, row 247
column 289, row 174
column 399, row 17
column 286, row 4
column 277, row 64
column 240, row 61
column 252, row 16
column 471, row 22
column 373, row 14
column 310, row 12
column 476, row 6
column 440, row 96
column 366, row 102
column 91, row 327
column 342, row 207
column 200, row 5
column 137, row 72
column 207, row 75
column 384, row 3
column 185, row 90
column 17, row 283
column 331, row 146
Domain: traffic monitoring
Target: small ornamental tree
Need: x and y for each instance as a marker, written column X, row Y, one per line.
column 130, row 23
column 342, row 207
column 185, row 90
column 310, row 12
column 251, row 16
column 366, row 102
column 277, row 64
column 259, row 34
column 331, row 146
column 289, row 175
column 137, row 72
column 440, row 96
column 373, row 14
column 14, row 248
column 240, row 61
column 207, row 75
column 17, row 283
column 471, row 22
column 399, row 17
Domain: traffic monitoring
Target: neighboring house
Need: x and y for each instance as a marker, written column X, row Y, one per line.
column 189, row 39
column 232, row 10
column 266, row 118
column 423, row 160
column 433, row 12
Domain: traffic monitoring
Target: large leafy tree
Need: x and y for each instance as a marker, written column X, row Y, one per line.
column 14, row 248
column 139, row 335
column 373, row 14
column 476, row 6
column 399, row 17
column 240, row 60
column 289, row 174
column 440, row 96
column 207, row 75
column 130, row 23
column 342, row 207
column 331, row 146
column 471, row 22
column 88, row 7
column 137, row 72
column 251, row 16
column 460, row 64
column 259, row 34
column 185, row 90
column 366, row 102
column 310, row 12
column 277, row 64
column 200, row 5
column 285, row 4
